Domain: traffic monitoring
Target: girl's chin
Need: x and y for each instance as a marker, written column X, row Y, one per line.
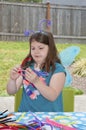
column 38, row 62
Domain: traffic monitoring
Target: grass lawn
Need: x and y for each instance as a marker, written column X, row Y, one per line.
column 12, row 53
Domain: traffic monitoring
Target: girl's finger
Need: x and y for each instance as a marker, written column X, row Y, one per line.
column 29, row 70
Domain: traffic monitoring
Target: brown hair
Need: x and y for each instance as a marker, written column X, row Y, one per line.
column 52, row 57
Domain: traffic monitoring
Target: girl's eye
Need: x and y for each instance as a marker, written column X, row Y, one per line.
column 41, row 48
column 32, row 48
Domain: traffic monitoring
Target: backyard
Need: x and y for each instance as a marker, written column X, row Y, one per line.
column 12, row 53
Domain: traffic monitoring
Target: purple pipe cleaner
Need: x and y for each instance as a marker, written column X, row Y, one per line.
column 48, row 22
column 29, row 32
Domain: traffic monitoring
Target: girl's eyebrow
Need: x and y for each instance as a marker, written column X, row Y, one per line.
column 38, row 46
column 32, row 46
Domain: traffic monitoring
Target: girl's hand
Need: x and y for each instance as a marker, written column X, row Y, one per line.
column 31, row 76
column 14, row 73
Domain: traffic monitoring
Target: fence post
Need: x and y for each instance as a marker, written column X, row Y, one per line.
column 48, row 15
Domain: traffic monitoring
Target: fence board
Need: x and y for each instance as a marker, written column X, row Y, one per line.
column 83, row 23
column 0, row 18
column 67, row 21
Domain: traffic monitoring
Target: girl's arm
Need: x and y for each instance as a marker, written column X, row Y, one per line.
column 52, row 91
column 14, row 85
column 15, row 81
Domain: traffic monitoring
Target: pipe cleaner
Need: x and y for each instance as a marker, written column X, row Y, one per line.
column 5, row 118
column 58, row 125
column 29, row 92
column 36, row 123
column 29, row 32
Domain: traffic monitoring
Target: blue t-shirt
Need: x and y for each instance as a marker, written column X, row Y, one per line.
column 40, row 103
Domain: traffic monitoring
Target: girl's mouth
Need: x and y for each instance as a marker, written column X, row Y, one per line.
column 37, row 56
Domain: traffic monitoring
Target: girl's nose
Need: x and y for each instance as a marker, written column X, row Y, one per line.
column 36, row 51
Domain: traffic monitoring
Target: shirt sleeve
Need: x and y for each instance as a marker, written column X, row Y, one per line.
column 59, row 68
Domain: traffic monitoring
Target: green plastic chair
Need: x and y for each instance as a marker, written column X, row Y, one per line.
column 68, row 100
column 17, row 99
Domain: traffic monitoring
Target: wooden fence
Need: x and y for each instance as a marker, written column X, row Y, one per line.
column 68, row 22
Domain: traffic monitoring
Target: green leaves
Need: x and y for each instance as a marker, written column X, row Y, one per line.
column 80, row 67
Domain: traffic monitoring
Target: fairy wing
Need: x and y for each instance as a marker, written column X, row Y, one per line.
column 68, row 79
column 67, row 57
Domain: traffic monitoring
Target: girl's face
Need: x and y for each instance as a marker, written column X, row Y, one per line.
column 39, row 52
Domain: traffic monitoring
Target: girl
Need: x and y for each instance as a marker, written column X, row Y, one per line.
column 42, row 76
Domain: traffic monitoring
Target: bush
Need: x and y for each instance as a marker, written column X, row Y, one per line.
column 80, row 67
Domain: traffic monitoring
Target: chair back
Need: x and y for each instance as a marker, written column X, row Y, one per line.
column 68, row 100
column 17, row 99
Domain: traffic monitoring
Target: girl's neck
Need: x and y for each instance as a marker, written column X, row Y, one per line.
column 37, row 66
